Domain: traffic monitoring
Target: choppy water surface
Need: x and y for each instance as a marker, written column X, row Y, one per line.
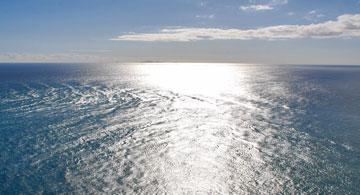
column 179, row 129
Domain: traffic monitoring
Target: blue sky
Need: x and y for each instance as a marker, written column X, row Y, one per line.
column 244, row 31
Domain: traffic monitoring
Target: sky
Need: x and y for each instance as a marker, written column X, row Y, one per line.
column 236, row 31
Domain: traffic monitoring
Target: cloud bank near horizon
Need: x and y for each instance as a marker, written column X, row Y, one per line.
column 52, row 57
column 345, row 26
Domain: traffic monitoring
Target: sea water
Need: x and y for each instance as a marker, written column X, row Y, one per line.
column 179, row 128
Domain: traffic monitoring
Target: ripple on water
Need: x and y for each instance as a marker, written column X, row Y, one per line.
column 150, row 141
column 106, row 137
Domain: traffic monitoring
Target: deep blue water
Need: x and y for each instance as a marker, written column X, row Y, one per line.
column 179, row 129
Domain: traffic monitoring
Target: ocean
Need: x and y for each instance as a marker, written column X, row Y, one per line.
column 179, row 128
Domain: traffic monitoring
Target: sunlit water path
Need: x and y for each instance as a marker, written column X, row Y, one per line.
column 179, row 129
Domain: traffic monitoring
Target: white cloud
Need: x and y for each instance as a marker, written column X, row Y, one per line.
column 291, row 13
column 263, row 7
column 313, row 16
column 256, row 7
column 279, row 2
column 346, row 26
column 211, row 16
column 52, row 57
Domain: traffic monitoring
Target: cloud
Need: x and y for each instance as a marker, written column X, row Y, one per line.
column 256, row 7
column 263, row 7
column 279, row 2
column 52, row 57
column 346, row 26
column 211, row 16
column 291, row 13
column 313, row 16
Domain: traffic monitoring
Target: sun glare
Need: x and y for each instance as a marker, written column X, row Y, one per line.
column 190, row 78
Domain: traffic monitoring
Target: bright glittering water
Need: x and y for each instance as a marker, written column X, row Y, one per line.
column 179, row 129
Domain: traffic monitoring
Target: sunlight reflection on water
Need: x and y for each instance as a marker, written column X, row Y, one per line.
column 191, row 78
column 179, row 128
